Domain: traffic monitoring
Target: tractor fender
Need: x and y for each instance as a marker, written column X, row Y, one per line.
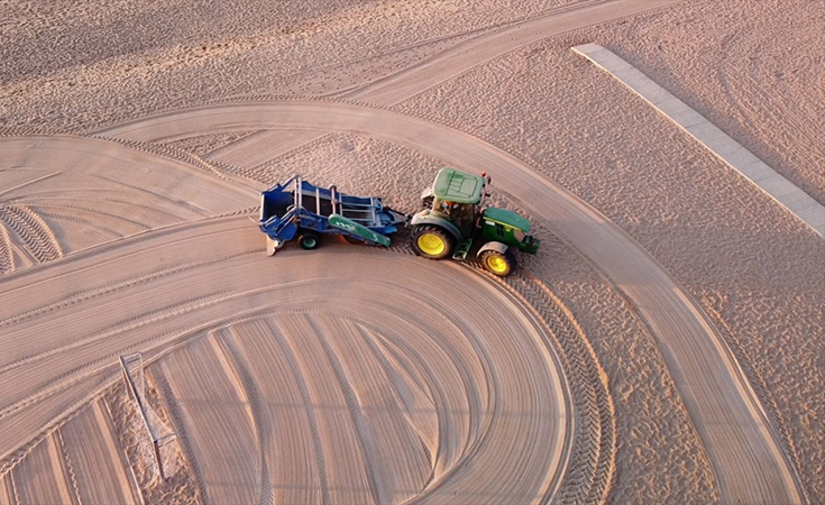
column 492, row 246
column 427, row 218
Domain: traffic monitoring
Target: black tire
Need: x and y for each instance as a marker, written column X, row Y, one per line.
column 497, row 263
column 308, row 239
column 434, row 253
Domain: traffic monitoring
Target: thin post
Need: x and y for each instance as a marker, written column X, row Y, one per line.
column 143, row 414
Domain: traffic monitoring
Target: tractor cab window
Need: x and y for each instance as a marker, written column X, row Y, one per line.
column 464, row 216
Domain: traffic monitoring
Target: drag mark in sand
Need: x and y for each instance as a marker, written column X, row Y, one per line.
column 252, row 151
column 90, row 448
column 749, row 462
column 447, row 388
column 41, row 478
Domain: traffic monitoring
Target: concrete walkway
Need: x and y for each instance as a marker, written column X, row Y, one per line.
column 728, row 150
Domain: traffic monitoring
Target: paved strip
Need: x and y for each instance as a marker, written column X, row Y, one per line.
column 725, row 148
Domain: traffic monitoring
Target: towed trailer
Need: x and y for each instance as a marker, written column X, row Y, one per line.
column 299, row 209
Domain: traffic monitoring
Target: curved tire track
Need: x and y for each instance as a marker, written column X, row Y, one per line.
column 6, row 251
column 34, row 233
column 749, row 461
column 396, row 88
column 243, row 278
column 234, row 360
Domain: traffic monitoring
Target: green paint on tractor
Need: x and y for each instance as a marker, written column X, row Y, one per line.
column 454, row 217
column 459, row 187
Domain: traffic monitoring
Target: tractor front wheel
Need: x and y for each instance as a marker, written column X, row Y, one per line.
column 432, row 242
column 308, row 239
column 497, row 263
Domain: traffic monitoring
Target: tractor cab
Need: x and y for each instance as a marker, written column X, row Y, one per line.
column 454, row 220
column 458, row 196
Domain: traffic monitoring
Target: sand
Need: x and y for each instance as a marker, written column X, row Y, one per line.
column 665, row 345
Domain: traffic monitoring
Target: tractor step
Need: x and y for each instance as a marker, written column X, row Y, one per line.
column 462, row 249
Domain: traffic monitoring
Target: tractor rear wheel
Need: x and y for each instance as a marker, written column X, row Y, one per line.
column 497, row 263
column 432, row 242
column 308, row 239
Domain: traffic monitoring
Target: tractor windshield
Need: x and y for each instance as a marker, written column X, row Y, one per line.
column 464, row 216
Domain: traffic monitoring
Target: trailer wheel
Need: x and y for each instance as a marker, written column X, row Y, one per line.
column 497, row 263
column 308, row 239
column 432, row 242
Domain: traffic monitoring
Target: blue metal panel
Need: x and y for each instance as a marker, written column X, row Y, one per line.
column 299, row 204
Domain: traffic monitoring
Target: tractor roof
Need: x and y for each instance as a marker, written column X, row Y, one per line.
column 456, row 186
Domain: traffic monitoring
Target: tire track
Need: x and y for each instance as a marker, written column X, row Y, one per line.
column 91, row 212
column 8, row 493
column 66, row 462
column 182, row 182
column 84, row 296
column 408, row 82
column 368, row 451
column 69, row 377
column 188, row 158
column 298, row 377
column 29, row 182
column 172, row 406
column 409, row 406
column 469, row 437
column 749, row 468
column 236, row 364
column 34, row 233
column 106, row 407
column 772, row 412
column 10, row 461
column 6, row 251
column 198, row 211
column 594, row 458
column 289, row 450
column 93, row 458
column 89, row 262
column 92, row 225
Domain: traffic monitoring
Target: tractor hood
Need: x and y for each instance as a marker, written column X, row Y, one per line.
column 507, row 217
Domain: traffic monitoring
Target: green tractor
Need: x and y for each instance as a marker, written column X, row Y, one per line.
column 454, row 221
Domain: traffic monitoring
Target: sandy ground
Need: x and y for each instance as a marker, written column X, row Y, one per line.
column 323, row 382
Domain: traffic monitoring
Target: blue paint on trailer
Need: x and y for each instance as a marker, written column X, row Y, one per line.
column 297, row 208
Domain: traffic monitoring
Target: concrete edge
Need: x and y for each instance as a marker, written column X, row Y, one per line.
column 789, row 196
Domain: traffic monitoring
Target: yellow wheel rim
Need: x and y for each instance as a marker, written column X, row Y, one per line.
column 497, row 264
column 431, row 244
